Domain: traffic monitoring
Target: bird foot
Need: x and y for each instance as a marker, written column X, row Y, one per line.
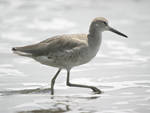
column 96, row 90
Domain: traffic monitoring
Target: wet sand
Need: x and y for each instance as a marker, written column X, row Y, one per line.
column 121, row 69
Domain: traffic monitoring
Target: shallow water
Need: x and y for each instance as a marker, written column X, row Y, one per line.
column 121, row 69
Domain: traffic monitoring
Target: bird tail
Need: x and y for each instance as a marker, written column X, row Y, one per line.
column 20, row 51
column 28, row 50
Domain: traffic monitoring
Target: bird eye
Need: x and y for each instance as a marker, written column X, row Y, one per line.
column 105, row 23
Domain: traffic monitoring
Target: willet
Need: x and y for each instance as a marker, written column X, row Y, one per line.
column 68, row 51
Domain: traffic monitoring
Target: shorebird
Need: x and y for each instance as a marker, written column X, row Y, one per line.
column 68, row 51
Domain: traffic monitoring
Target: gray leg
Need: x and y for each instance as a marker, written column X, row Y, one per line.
column 53, row 80
column 96, row 90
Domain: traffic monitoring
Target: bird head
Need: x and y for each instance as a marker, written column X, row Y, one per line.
column 100, row 24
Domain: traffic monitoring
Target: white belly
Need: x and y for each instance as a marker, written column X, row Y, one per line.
column 56, row 63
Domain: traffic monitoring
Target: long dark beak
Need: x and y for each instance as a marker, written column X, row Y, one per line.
column 117, row 32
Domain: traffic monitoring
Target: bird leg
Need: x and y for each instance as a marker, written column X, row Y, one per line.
column 53, row 81
column 96, row 90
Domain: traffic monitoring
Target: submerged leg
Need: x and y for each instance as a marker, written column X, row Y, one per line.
column 96, row 90
column 53, row 80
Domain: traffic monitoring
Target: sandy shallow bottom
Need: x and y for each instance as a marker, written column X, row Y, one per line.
column 121, row 69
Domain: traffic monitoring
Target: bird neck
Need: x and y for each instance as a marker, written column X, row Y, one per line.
column 94, row 33
column 94, row 38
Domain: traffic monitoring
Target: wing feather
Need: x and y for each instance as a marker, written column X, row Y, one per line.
column 54, row 45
